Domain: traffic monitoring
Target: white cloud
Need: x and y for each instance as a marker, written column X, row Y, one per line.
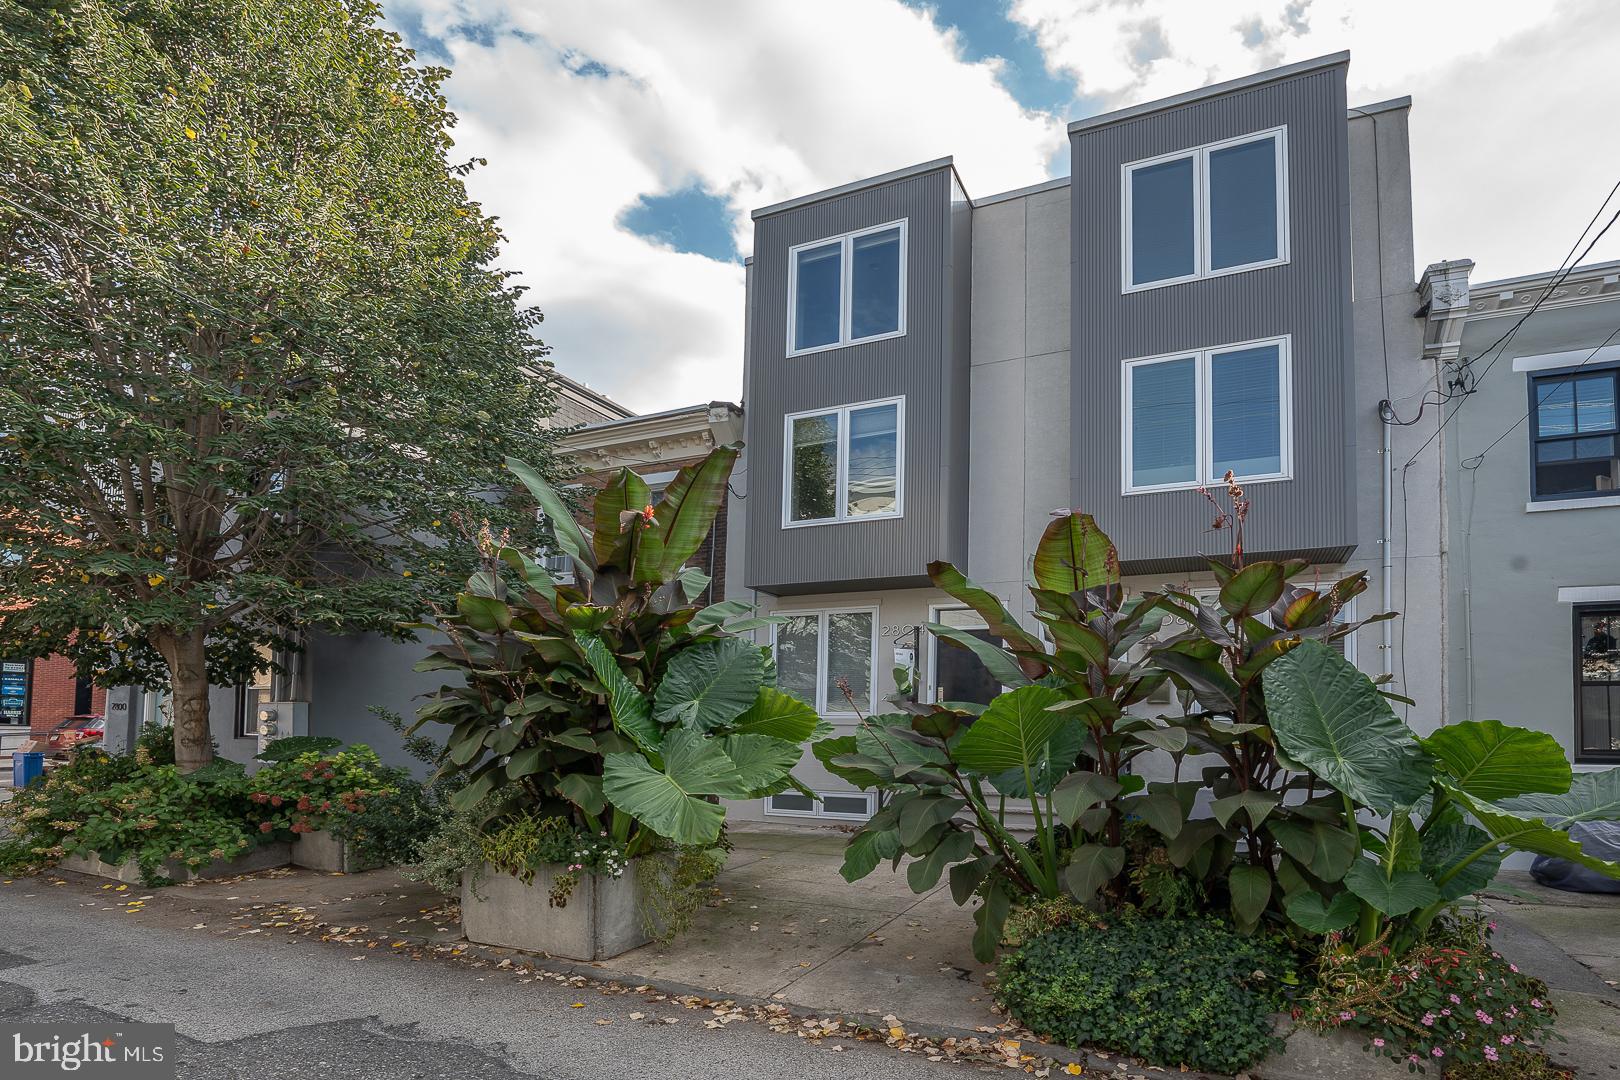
column 1511, row 102
column 755, row 101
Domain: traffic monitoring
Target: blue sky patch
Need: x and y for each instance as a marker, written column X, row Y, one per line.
column 690, row 220
column 984, row 31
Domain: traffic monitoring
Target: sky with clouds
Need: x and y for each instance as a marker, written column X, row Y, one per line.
column 627, row 140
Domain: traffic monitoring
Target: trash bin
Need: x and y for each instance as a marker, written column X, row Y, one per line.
column 26, row 767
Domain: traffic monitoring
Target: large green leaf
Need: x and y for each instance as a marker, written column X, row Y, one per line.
column 828, row 751
column 923, row 874
column 1593, row 796
column 866, row 849
column 778, row 714
column 1399, row 893
column 996, row 660
column 710, row 685
column 668, row 801
column 1251, row 891
column 762, row 761
column 687, row 511
column 583, row 791
column 1491, row 760
column 1074, row 554
column 1091, row 866
column 1062, row 752
column 1080, row 790
column 1253, row 589
column 1532, row 835
column 483, row 613
column 570, row 537
column 627, row 494
column 537, row 577
column 1330, row 718
column 995, row 615
column 1014, row 732
column 1445, row 847
column 632, row 712
column 1310, row 911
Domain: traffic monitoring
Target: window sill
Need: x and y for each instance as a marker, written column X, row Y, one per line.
column 846, row 344
column 841, row 521
column 1242, row 481
column 1571, row 504
column 1228, row 271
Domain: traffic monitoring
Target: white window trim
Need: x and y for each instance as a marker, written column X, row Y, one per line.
column 821, row 615
column 869, row 796
column 1203, row 410
column 841, row 495
column 846, row 279
column 1201, row 239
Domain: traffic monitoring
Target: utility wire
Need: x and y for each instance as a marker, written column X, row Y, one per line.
column 1499, row 345
column 1478, row 459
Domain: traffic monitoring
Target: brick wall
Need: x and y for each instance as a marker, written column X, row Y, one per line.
column 52, row 693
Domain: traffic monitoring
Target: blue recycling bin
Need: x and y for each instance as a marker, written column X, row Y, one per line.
column 26, row 767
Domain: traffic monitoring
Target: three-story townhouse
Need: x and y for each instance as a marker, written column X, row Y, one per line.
column 1224, row 282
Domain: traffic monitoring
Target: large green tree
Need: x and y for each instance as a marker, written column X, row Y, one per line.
column 258, row 368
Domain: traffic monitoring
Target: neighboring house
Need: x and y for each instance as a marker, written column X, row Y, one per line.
column 1532, row 495
column 37, row 693
column 1225, row 281
column 656, row 446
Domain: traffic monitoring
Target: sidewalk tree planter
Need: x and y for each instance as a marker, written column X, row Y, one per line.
column 132, row 871
column 614, row 703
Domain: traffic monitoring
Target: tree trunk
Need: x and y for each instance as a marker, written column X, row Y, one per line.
column 185, row 654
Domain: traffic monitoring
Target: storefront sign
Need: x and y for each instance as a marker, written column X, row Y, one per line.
column 13, row 691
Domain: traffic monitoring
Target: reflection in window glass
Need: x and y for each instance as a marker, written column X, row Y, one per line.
column 818, row 296
column 849, row 657
column 813, row 482
column 1246, row 404
column 875, row 284
column 874, row 449
column 959, row 674
column 1575, row 435
column 1162, row 238
column 1243, row 204
column 1164, row 422
column 1598, row 692
column 798, row 643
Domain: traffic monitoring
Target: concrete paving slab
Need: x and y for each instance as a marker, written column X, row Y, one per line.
column 1591, row 1029
column 1518, row 938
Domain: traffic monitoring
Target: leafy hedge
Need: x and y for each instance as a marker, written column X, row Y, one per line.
column 1189, row 991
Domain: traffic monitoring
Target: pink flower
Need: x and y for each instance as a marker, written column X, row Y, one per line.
column 1428, row 1020
column 1347, row 1016
column 1455, row 1000
column 1535, row 1003
column 1491, row 925
column 1509, row 1040
column 1413, row 1058
column 1437, row 1052
column 1513, row 1011
column 1482, row 1016
column 1490, row 1053
column 1445, row 1012
column 1378, row 1043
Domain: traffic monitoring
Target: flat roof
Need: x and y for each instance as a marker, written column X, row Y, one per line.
column 1259, row 78
column 1542, row 277
column 854, row 185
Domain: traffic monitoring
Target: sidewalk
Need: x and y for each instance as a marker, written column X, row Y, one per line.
column 782, row 929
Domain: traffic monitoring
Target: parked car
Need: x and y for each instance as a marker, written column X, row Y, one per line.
column 75, row 731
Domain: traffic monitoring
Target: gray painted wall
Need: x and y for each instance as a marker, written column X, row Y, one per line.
column 1307, row 298
column 925, row 365
column 1512, row 649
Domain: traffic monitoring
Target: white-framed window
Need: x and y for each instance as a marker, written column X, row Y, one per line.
column 813, row 650
column 1216, row 209
column 843, row 464
column 1192, row 416
column 847, row 289
column 840, row 805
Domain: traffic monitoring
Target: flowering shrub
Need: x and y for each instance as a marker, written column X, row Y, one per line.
column 122, row 807
column 1450, row 1001
column 307, row 792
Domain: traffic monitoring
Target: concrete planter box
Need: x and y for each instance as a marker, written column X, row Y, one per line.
column 321, row 850
column 603, row 916
column 1311, row 1055
column 263, row 857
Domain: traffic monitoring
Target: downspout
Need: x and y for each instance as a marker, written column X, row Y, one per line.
column 1385, row 541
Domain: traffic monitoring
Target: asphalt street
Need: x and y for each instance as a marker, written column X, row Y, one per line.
column 275, row 1008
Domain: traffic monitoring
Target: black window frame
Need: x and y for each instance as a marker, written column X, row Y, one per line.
column 1548, row 378
column 1582, row 755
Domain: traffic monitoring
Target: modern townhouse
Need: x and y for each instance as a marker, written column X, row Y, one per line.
column 1224, row 282
column 1532, row 492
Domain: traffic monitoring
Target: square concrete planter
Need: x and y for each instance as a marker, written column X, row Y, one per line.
column 1311, row 1055
column 263, row 857
column 603, row 916
column 321, row 850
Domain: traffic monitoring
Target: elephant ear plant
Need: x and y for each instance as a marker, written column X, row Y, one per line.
column 1059, row 742
column 613, row 702
column 1430, row 818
